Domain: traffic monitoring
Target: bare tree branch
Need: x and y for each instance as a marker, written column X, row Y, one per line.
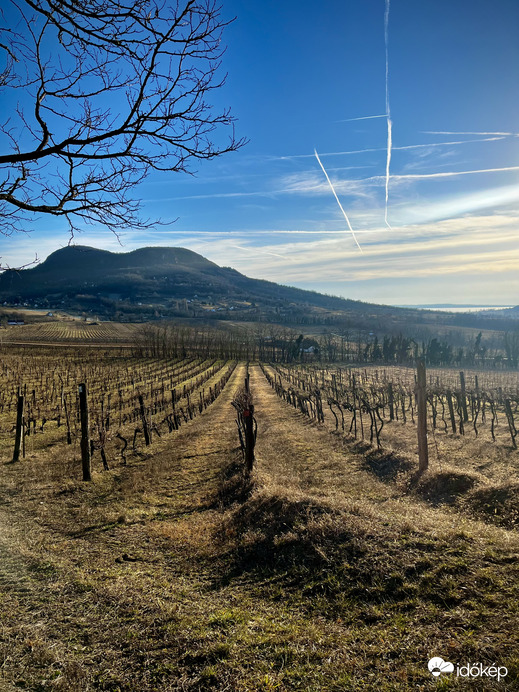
column 102, row 93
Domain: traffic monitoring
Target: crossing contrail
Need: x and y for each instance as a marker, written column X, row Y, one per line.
column 364, row 117
column 338, row 201
column 388, row 161
column 388, row 109
column 450, row 174
column 443, row 132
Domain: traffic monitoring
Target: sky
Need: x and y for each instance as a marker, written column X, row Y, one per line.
column 306, row 77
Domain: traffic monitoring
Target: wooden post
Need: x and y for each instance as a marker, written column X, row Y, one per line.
column 463, row 398
column 19, row 427
column 421, row 405
column 145, row 427
column 85, row 441
column 354, row 391
column 511, row 423
column 248, row 416
column 174, row 405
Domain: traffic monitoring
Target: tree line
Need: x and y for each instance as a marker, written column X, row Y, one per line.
column 278, row 344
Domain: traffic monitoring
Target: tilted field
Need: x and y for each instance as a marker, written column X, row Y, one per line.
column 330, row 568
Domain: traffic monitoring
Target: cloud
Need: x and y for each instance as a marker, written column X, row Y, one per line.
column 310, row 183
column 454, row 205
column 456, row 247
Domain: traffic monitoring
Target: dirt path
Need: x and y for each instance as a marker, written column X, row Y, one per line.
column 299, row 455
column 83, row 571
column 303, row 455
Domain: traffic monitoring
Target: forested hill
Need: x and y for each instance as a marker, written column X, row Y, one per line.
column 156, row 282
column 160, row 276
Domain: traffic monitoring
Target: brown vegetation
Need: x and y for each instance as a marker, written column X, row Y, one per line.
column 322, row 571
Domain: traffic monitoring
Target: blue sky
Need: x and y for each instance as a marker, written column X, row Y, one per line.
column 304, row 75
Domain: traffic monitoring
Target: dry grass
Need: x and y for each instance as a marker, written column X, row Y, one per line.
column 173, row 573
column 472, row 474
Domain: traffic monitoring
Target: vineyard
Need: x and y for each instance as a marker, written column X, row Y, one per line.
column 69, row 331
column 193, row 560
column 130, row 401
column 472, row 425
column 486, row 406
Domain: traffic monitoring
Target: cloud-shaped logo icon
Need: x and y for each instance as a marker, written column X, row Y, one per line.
column 437, row 666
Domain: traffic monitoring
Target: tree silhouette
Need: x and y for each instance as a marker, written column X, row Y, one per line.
column 99, row 94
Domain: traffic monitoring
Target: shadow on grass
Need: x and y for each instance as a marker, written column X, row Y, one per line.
column 444, row 488
column 235, row 485
column 332, row 560
column 497, row 504
column 387, row 466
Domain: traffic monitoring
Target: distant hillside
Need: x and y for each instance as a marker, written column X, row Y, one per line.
column 512, row 313
column 157, row 282
column 166, row 278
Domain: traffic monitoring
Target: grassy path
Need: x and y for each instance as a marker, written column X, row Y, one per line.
column 160, row 576
column 305, row 456
column 94, row 575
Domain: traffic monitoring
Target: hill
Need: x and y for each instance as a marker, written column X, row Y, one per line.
column 155, row 282
column 167, row 280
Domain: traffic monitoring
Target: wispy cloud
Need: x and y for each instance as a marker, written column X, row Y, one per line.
column 308, row 183
column 484, row 245
column 453, row 205
column 365, row 190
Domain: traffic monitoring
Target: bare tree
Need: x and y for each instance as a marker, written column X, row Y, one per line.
column 99, row 94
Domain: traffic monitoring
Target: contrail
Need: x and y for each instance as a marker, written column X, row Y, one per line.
column 388, row 161
column 289, row 157
column 450, row 174
column 386, row 42
column 365, row 117
column 388, row 109
column 443, row 132
column 338, row 201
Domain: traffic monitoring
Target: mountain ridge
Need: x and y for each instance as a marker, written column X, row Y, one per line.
column 154, row 282
column 152, row 275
